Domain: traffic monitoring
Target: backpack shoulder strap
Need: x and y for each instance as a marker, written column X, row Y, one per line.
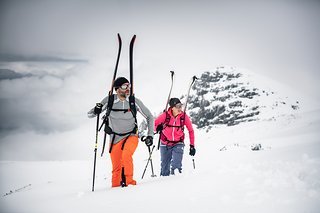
column 182, row 120
column 133, row 109
column 167, row 120
column 110, row 104
column 132, row 103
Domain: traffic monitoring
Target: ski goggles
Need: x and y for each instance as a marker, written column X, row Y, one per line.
column 178, row 106
column 125, row 86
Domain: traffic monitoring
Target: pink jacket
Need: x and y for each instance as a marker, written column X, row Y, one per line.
column 174, row 133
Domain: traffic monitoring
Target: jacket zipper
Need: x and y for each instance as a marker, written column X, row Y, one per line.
column 174, row 122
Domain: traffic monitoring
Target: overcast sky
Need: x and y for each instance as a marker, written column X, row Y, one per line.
column 64, row 51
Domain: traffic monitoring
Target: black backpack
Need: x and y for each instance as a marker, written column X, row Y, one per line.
column 107, row 128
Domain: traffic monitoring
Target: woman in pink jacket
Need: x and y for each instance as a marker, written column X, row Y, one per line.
column 171, row 125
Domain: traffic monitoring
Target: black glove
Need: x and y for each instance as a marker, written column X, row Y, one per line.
column 149, row 141
column 192, row 151
column 159, row 128
column 97, row 109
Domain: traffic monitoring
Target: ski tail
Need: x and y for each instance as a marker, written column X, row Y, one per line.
column 169, row 96
column 111, row 91
column 117, row 63
column 165, row 109
column 188, row 93
column 131, row 63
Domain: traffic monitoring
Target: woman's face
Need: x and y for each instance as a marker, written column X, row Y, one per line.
column 177, row 109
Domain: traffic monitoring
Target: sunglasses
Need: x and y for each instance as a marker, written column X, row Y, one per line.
column 125, row 86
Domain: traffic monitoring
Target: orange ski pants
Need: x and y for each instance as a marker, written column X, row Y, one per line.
column 122, row 158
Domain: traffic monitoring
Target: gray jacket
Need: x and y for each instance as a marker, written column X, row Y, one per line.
column 121, row 122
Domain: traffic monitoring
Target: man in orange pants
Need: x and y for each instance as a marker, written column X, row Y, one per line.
column 122, row 160
column 123, row 131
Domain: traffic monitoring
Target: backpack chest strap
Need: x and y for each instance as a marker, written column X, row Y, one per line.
column 121, row 110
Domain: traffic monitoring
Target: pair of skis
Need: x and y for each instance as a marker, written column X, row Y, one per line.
column 194, row 78
column 117, row 63
column 111, row 93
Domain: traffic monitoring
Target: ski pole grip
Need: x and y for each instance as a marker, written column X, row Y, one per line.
column 98, row 108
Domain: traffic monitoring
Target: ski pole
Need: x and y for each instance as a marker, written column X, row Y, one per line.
column 152, row 171
column 149, row 159
column 194, row 164
column 143, row 138
column 96, row 147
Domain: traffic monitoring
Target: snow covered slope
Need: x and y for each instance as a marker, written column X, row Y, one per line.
column 271, row 164
column 284, row 176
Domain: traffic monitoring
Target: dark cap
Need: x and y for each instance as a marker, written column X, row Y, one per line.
column 174, row 101
column 119, row 81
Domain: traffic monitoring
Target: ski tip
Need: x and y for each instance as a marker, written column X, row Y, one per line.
column 132, row 42
column 119, row 37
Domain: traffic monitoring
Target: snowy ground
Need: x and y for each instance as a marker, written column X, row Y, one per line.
column 229, row 177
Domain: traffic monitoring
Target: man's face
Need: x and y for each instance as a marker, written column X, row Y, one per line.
column 124, row 90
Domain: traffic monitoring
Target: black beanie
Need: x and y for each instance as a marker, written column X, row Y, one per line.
column 174, row 101
column 119, row 81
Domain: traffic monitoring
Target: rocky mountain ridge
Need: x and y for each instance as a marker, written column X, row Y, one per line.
column 230, row 96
